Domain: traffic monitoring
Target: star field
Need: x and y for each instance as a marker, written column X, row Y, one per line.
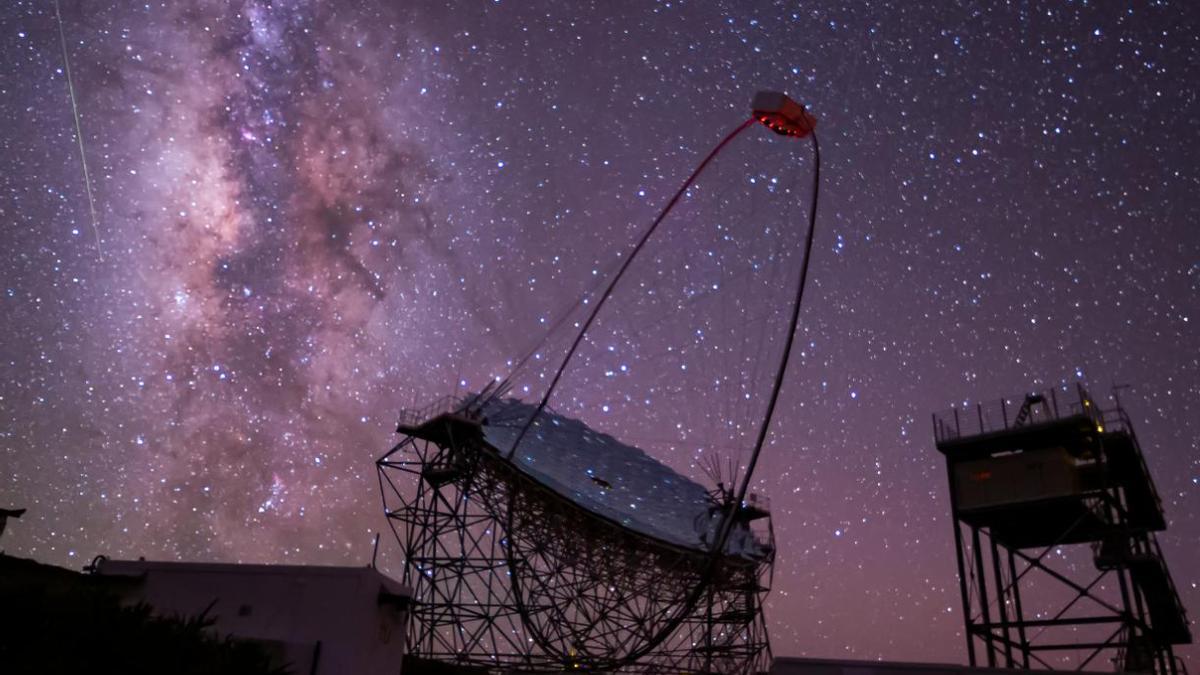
column 312, row 215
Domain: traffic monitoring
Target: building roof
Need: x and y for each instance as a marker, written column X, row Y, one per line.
column 139, row 568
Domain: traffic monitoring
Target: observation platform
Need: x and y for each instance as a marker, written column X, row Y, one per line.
column 1032, row 470
column 1038, row 472
column 614, row 481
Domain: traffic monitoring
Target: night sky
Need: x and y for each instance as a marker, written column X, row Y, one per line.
column 311, row 215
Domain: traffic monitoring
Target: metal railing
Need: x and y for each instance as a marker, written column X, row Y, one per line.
column 1032, row 408
column 1158, row 554
column 1117, row 420
column 411, row 417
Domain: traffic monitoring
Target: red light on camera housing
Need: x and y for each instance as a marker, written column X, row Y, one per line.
column 783, row 115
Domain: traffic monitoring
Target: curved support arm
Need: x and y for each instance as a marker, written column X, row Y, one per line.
column 787, row 348
column 727, row 521
column 617, row 278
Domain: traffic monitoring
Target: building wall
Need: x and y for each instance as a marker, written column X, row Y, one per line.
column 322, row 620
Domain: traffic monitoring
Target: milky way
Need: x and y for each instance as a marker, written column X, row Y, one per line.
column 315, row 214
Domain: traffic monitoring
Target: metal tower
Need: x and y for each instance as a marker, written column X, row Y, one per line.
column 1054, row 516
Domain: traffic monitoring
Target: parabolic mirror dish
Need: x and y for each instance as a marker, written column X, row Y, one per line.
column 613, row 480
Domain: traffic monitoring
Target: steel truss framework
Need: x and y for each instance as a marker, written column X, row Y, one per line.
column 1019, row 608
column 509, row 575
column 1012, row 631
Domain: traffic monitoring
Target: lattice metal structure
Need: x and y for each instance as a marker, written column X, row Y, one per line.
column 1055, row 515
column 522, row 558
column 508, row 574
